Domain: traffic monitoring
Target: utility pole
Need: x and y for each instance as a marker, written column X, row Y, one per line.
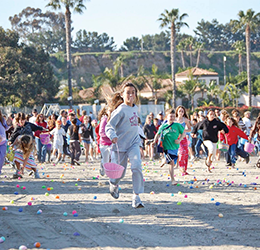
column 224, row 59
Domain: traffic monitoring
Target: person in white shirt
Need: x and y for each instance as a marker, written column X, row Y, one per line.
column 247, row 122
column 58, row 132
column 33, row 118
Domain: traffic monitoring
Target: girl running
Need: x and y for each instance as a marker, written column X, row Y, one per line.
column 182, row 118
column 122, row 129
column 75, row 139
column 232, row 139
column 86, row 133
column 3, row 142
column 105, row 143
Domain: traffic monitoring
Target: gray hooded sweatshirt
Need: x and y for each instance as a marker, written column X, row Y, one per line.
column 123, row 124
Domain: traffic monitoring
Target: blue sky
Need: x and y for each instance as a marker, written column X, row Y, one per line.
column 123, row 19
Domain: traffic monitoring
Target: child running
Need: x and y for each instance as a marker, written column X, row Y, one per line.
column 58, row 132
column 232, row 140
column 105, row 143
column 172, row 133
column 210, row 126
column 182, row 118
column 122, row 129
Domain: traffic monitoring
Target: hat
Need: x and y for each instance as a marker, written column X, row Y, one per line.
column 58, row 122
column 34, row 111
column 160, row 113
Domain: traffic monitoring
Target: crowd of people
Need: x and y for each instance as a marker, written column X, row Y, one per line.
column 118, row 136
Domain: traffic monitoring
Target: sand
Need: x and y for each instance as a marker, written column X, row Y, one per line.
column 174, row 217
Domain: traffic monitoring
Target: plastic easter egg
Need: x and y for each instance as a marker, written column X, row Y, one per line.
column 220, row 215
column 12, row 201
column 39, row 211
column 212, row 199
column 5, row 208
column 178, row 203
column 217, row 203
column 24, row 188
column 43, row 186
column 37, row 244
column 2, row 239
column 16, row 193
column 76, row 184
column 179, row 192
column 95, row 197
column 79, row 188
column 47, row 194
column 75, row 215
column 74, row 212
column 65, row 214
column 29, row 203
column 20, row 210
column 185, row 196
column 17, row 185
column 22, row 247
column 172, row 194
column 211, row 186
column 178, row 184
column 121, row 221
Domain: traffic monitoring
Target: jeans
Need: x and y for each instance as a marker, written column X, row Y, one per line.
column 233, row 152
column 41, row 150
column 197, row 148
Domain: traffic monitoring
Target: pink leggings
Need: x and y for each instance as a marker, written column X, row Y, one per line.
column 183, row 154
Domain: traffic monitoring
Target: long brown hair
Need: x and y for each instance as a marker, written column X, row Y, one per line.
column 75, row 127
column 233, row 121
column 26, row 144
column 1, row 118
column 103, row 112
column 184, row 110
column 20, row 116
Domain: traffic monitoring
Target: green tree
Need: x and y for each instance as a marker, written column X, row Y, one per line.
column 133, row 43
column 249, row 22
column 189, row 87
column 240, row 48
column 44, row 30
column 190, row 44
column 94, row 42
column 26, row 74
column 78, row 7
column 174, row 21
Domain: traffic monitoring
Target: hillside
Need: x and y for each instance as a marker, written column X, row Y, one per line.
column 87, row 64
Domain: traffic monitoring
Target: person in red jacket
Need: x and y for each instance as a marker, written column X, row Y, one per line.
column 232, row 140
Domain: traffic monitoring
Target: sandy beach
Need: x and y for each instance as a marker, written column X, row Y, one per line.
column 175, row 217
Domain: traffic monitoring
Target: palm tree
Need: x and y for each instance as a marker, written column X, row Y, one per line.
column 190, row 44
column 189, row 87
column 173, row 20
column 181, row 47
column 77, row 6
column 198, row 46
column 235, row 93
column 249, row 22
column 240, row 48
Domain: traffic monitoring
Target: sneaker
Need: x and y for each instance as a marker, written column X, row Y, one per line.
column 102, row 170
column 247, row 159
column 137, row 203
column 77, row 162
column 114, row 191
column 57, row 161
column 36, row 175
column 228, row 164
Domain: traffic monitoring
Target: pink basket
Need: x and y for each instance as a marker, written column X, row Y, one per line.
column 249, row 147
column 45, row 138
column 113, row 170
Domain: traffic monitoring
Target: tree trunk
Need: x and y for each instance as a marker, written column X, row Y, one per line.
column 173, row 65
column 240, row 64
column 248, row 65
column 190, row 56
column 198, row 59
column 182, row 59
column 122, row 70
column 68, row 51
